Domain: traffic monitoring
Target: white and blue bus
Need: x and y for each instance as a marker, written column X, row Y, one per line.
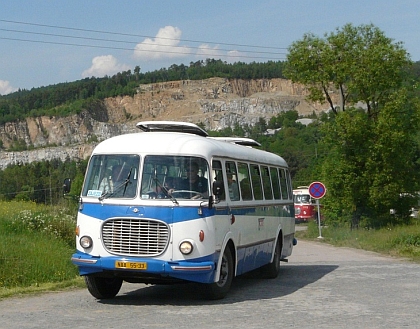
column 170, row 204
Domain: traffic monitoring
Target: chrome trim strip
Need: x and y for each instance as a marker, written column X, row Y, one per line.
column 192, row 268
column 86, row 261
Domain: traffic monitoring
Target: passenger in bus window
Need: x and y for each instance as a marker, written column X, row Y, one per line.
column 108, row 182
column 233, row 187
column 194, row 182
column 118, row 175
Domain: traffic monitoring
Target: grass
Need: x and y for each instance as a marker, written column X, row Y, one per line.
column 36, row 243
column 398, row 241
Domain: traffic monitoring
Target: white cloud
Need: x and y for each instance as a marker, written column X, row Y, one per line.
column 207, row 52
column 234, row 56
column 6, row 88
column 104, row 65
column 167, row 45
column 164, row 45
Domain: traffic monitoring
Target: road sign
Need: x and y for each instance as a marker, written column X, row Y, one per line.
column 317, row 190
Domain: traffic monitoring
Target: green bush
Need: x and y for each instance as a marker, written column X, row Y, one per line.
column 36, row 243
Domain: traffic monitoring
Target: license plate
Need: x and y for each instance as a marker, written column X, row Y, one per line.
column 131, row 265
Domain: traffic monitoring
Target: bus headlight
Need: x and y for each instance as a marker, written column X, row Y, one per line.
column 86, row 242
column 186, row 247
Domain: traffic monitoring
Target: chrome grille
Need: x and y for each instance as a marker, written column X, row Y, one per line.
column 135, row 237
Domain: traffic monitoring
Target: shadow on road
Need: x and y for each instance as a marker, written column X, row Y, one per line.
column 244, row 288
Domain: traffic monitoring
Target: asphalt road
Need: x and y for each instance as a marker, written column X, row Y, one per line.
column 321, row 287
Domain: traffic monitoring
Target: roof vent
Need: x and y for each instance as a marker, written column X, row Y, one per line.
column 238, row 140
column 171, row 126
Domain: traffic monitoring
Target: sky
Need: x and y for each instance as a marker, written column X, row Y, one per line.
column 48, row 42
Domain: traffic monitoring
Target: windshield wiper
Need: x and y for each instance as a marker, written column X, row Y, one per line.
column 165, row 191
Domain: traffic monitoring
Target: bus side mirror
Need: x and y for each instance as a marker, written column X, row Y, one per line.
column 67, row 185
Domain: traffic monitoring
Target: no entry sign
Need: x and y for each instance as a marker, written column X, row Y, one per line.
column 317, row 190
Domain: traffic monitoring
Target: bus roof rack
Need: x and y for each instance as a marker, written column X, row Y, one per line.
column 171, row 126
column 238, row 140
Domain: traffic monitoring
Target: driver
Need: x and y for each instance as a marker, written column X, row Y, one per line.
column 193, row 182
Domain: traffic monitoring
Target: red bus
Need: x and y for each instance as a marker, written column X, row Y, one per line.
column 305, row 206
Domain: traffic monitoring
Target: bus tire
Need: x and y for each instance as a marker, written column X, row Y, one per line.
column 103, row 288
column 219, row 289
column 271, row 270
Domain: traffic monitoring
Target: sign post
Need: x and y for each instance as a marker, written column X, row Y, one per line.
column 317, row 191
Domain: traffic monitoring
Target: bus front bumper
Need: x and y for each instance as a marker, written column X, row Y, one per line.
column 198, row 270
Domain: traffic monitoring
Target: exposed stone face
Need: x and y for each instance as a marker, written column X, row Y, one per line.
column 49, row 153
column 216, row 102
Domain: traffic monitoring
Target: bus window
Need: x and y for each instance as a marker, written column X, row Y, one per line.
column 186, row 175
column 256, row 182
column 232, row 178
column 245, row 181
column 112, row 176
column 289, row 185
column 283, row 184
column 275, row 182
column 268, row 193
column 218, row 176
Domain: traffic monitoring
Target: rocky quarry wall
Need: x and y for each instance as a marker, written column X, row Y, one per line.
column 217, row 103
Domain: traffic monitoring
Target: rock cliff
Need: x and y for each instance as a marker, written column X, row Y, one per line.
column 215, row 102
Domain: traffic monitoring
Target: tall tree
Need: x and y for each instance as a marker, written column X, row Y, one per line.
column 393, row 174
column 372, row 151
column 360, row 64
column 343, row 170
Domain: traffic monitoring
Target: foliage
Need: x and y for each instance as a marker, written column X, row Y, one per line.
column 36, row 243
column 40, row 182
column 56, row 222
column 371, row 166
column 393, row 174
column 343, row 170
column 372, row 160
column 360, row 63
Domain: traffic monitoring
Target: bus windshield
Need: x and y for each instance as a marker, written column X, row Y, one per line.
column 179, row 177
column 302, row 198
column 112, row 176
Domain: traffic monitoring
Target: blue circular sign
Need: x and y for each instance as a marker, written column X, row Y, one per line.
column 317, row 190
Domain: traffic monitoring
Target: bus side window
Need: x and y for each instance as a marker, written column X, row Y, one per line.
column 276, row 183
column 218, row 176
column 268, row 192
column 289, row 184
column 245, row 182
column 256, row 182
column 283, row 184
column 232, row 180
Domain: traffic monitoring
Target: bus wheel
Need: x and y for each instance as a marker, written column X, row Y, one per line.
column 103, row 288
column 271, row 270
column 219, row 289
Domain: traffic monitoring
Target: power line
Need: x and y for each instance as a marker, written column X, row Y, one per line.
column 139, row 35
column 121, row 41
column 130, row 49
